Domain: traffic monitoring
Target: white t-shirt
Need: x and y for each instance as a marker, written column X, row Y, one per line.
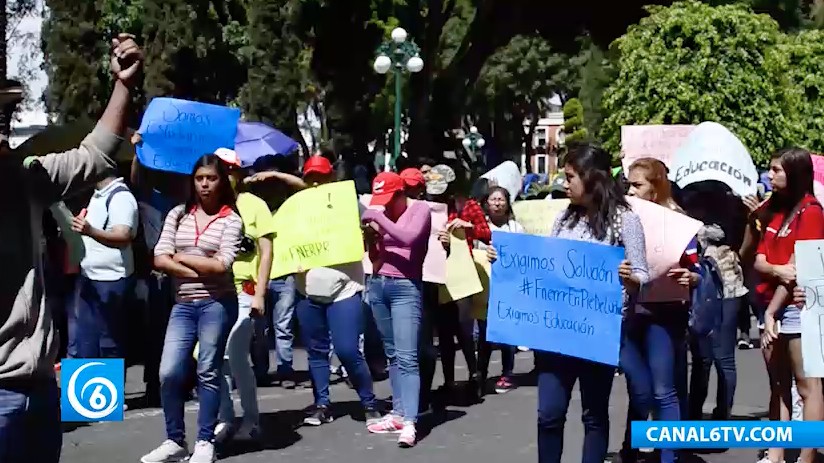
column 511, row 226
column 102, row 263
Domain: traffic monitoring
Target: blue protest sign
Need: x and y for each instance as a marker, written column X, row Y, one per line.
column 177, row 132
column 556, row 295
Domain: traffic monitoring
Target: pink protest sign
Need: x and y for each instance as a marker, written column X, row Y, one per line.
column 818, row 168
column 667, row 234
column 651, row 141
column 434, row 265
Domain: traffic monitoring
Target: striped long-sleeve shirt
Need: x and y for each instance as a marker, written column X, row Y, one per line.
column 219, row 238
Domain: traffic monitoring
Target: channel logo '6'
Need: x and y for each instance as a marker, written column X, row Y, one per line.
column 91, row 389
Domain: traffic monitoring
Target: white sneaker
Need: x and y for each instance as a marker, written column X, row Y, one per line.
column 408, row 437
column 223, row 431
column 204, row 453
column 248, row 431
column 168, row 452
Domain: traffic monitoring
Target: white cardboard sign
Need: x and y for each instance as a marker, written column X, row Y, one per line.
column 712, row 152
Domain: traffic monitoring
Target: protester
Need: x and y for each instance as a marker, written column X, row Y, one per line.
column 598, row 213
column 498, row 208
column 653, row 345
column 29, row 399
column 251, row 278
column 282, row 295
column 414, row 183
column 106, row 282
column 398, row 239
column 330, row 312
column 454, row 319
column 198, row 245
column 791, row 214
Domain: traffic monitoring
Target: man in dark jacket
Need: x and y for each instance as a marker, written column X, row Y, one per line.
column 30, row 429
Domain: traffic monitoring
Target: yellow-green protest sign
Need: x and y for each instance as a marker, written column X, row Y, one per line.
column 480, row 301
column 462, row 278
column 317, row 227
column 538, row 215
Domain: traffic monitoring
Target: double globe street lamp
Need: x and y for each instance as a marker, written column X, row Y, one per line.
column 397, row 55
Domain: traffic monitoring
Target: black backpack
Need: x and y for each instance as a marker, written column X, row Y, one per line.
column 707, row 299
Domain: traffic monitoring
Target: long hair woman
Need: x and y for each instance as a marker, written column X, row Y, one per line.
column 197, row 246
column 400, row 239
column 598, row 213
column 791, row 214
column 653, row 345
column 498, row 208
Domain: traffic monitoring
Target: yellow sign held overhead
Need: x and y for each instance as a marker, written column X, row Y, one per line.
column 317, row 227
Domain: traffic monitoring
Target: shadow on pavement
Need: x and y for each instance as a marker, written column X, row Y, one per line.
column 430, row 421
column 278, row 431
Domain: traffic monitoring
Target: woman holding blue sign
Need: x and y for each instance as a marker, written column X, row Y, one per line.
column 198, row 245
column 598, row 213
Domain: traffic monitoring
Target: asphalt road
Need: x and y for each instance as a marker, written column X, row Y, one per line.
column 501, row 429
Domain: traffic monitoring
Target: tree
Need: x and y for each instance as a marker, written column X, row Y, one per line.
column 188, row 53
column 74, row 48
column 574, row 127
column 803, row 56
column 692, row 62
column 274, row 85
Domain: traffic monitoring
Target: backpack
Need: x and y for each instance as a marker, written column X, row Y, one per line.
column 707, row 299
column 142, row 255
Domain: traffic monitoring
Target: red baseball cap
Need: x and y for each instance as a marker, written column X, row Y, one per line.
column 412, row 177
column 384, row 187
column 317, row 165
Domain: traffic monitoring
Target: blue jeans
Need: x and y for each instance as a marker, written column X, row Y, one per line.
column 30, row 428
column 161, row 300
column 717, row 348
column 341, row 323
column 557, row 375
column 206, row 322
column 281, row 298
column 397, row 307
column 97, row 319
column 654, row 360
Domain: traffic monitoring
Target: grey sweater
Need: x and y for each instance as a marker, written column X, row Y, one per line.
column 28, row 345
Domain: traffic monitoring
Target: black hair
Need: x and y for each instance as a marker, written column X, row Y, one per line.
column 226, row 194
column 798, row 168
column 498, row 189
column 480, row 190
column 714, row 202
column 603, row 191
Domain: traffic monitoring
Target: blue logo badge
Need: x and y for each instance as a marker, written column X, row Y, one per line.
column 92, row 389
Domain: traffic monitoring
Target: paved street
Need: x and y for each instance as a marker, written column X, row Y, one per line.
column 502, row 429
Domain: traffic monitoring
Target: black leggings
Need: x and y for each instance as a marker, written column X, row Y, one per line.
column 485, row 349
column 453, row 320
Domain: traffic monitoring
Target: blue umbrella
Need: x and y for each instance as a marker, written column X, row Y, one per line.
column 255, row 140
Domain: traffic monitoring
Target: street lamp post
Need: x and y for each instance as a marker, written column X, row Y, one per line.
column 397, row 55
column 472, row 142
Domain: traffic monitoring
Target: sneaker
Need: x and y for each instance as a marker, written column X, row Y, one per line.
column 389, row 424
column 168, row 452
column 223, row 431
column 408, row 437
column 504, row 385
column 248, row 431
column 204, row 453
column 320, row 415
column 744, row 344
column 372, row 417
